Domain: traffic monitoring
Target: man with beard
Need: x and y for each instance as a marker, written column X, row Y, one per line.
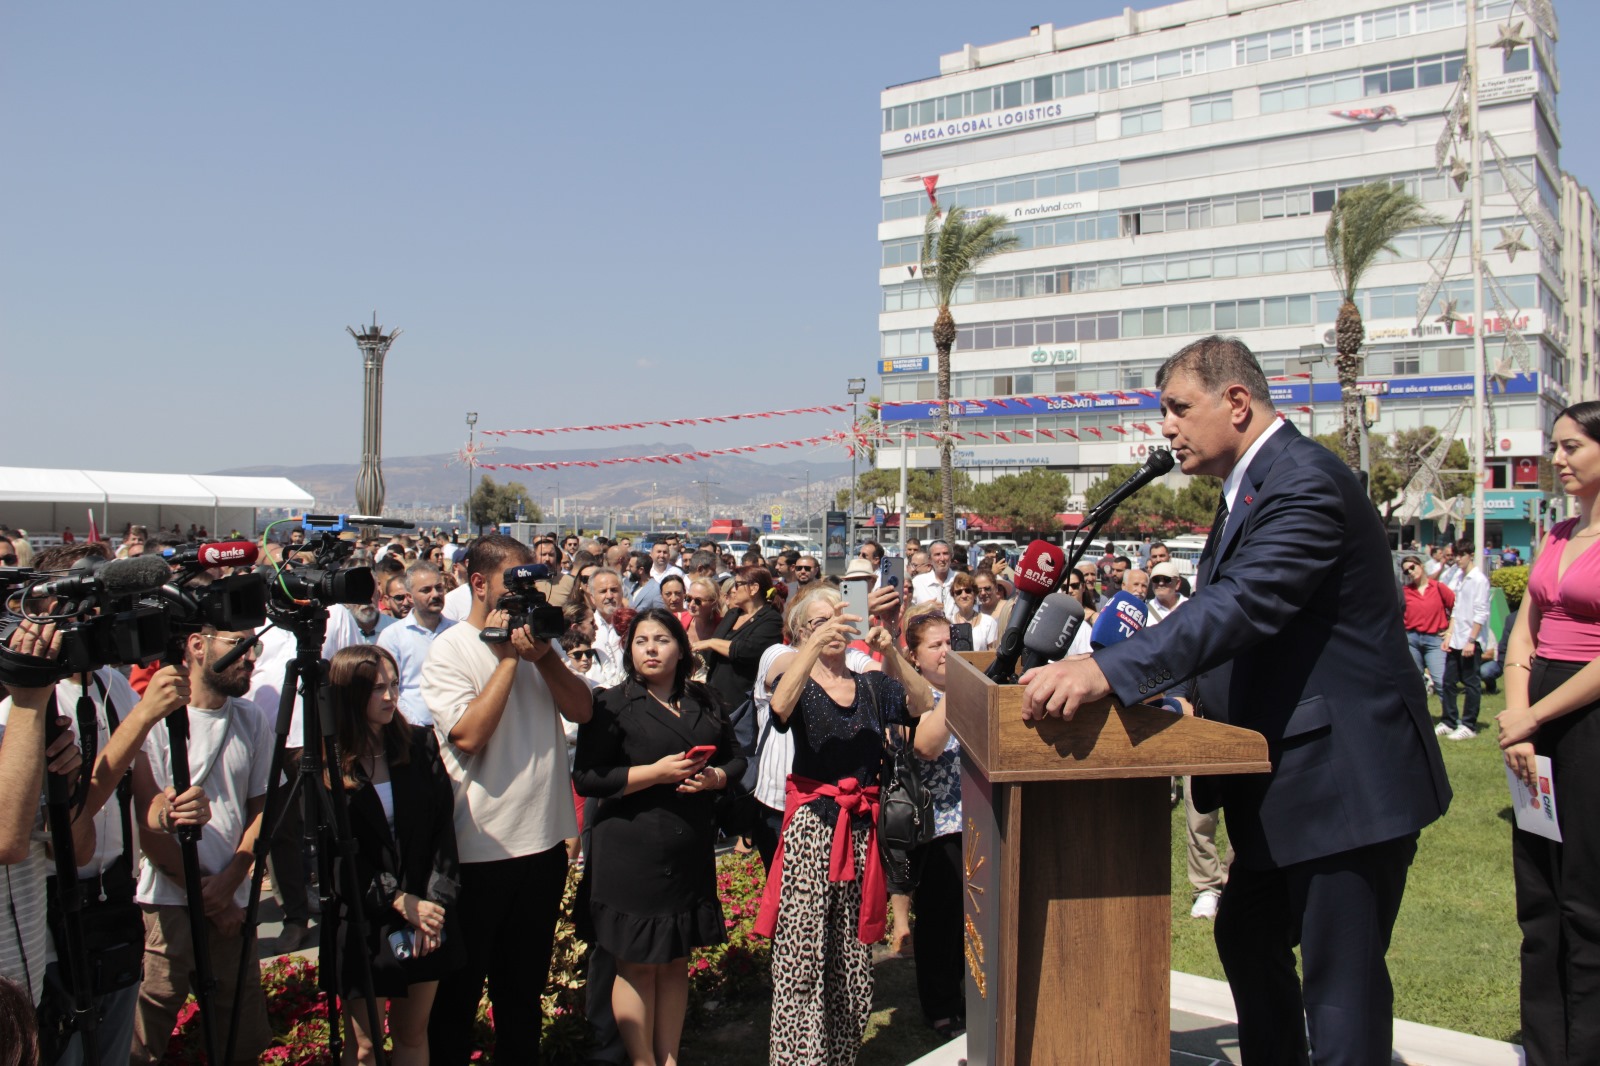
column 605, row 597
column 409, row 640
column 230, row 756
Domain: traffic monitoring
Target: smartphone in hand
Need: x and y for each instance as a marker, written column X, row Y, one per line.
column 856, row 591
column 701, row 752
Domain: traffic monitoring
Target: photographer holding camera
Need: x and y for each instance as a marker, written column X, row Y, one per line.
column 497, row 710
column 230, row 756
column 22, row 836
column 113, row 928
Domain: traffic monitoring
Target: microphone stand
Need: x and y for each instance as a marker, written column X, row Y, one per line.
column 69, row 893
column 326, row 809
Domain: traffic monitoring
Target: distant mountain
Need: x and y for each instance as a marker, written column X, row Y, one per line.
column 420, row 482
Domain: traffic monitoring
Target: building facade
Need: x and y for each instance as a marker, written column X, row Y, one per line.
column 1168, row 174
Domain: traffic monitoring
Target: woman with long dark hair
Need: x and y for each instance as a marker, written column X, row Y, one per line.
column 752, row 625
column 650, row 883
column 1552, row 679
column 402, row 817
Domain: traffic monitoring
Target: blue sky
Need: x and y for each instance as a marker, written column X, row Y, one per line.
column 575, row 218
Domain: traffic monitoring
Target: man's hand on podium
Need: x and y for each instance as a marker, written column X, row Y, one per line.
column 1056, row 690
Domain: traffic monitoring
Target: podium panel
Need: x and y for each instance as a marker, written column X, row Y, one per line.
column 1066, row 850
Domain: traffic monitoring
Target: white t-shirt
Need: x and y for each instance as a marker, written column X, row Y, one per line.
column 277, row 649
column 458, row 602
column 230, row 756
column 777, row 756
column 23, row 958
column 514, row 797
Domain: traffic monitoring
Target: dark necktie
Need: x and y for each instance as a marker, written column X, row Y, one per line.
column 1207, row 556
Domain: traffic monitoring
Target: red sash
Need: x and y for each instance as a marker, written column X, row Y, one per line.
column 852, row 799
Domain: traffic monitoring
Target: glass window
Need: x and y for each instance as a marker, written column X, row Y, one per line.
column 1518, row 60
column 1402, row 78
column 1002, row 385
column 1155, row 321
column 1227, row 316
column 1249, row 210
column 1249, row 314
column 1132, row 324
column 1199, row 318
column 1066, row 380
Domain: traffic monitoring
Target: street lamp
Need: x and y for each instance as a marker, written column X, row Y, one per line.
column 466, row 514
column 374, row 345
column 855, row 387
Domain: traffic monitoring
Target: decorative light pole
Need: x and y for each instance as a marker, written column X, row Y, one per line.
column 466, row 514
column 855, row 387
column 374, row 345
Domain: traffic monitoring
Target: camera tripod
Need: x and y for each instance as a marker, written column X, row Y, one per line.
column 327, row 821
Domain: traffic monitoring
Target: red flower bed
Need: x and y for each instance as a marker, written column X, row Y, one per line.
column 738, row 969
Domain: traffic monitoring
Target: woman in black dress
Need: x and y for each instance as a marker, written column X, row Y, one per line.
column 751, row 626
column 651, row 880
column 403, row 820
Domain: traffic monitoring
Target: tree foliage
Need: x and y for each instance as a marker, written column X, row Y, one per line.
column 881, row 488
column 494, row 503
column 1364, row 223
column 1027, row 501
column 1157, row 509
column 952, row 251
column 1396, row 458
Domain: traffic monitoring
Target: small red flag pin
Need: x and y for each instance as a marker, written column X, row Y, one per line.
column 1249, row 499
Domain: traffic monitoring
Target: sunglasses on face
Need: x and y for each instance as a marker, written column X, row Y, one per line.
column 1162, row 581
column 697, row 601
column 8, row 560
column 1074, row 584
column 582, row 653
column 966, row 592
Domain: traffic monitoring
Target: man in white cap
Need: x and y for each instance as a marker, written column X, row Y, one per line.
column 1164, row 596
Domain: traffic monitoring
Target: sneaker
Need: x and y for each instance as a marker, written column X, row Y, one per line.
column 1205, row 905
column 1442, row 730
column 294, row 936
column 1461, row 732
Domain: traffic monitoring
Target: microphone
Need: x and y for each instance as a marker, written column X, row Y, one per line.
column 1050, row 633
column 120, row 577
column 1158, row 463
column 1039, row 573
column 1122, row 616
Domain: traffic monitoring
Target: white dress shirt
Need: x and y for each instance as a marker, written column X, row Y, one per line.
column 1472, row 609
column 1230, row 484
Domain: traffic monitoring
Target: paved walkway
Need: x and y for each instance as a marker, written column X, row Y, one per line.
column 1204, row 1034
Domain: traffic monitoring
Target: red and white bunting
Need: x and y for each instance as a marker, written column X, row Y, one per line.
column 840, row 437
column 670, row 423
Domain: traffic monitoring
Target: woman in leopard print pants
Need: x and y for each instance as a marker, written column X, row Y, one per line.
column 826, row 898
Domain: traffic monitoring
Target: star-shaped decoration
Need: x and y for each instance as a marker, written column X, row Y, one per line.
column 1510, row 39
column 471, row 455
column 1449, row 317
column 1503, row 372
column 1511, row 242
column 1459, row 172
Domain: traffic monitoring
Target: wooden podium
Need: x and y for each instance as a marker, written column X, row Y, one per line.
column 1067, row 850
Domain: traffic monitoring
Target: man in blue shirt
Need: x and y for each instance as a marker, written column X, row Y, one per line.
column 409, row 638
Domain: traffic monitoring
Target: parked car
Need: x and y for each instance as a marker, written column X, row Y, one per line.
column 773, row 543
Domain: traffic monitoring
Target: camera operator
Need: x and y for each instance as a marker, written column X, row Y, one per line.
column 497, row 711
column 22, row 837
column 230, row 756
column 112, row 926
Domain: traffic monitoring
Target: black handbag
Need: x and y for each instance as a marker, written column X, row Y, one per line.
column 905, row 807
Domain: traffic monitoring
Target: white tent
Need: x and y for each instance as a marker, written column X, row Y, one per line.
column 43, row 501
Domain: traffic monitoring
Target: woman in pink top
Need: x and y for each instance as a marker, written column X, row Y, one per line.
column 1552, row 675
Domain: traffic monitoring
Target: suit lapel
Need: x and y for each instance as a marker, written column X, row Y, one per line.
column 683, row 726
column 1250, row 487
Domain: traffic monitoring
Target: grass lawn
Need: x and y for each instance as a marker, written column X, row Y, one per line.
column 1453, row 960
column 1454, row 955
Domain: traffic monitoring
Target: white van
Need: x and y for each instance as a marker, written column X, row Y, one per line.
column 773, row 543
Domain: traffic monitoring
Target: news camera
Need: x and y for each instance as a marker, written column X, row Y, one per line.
column 527, row 606
column 124, row 612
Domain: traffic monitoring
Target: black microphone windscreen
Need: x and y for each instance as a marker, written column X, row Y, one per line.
column 142, row 573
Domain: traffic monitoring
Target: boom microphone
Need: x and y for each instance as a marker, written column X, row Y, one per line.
column 1050, row 633
column 1158, row 463
column 1039, row 573
column 120, row 577
column 1123, row 615
column 375, row 520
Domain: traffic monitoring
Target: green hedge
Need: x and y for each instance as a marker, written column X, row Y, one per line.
column 1514, row 581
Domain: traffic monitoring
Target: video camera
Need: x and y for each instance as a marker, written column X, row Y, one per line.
column 124, row 612
column 527, row 605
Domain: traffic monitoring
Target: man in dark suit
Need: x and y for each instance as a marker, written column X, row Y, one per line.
column 1290, row 635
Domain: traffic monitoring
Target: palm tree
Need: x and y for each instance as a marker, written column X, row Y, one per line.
column 1364, row 222
column 951, row 253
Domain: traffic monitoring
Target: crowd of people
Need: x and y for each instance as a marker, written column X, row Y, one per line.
column 686, row 697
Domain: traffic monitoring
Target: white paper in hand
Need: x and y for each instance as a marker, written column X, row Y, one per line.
column 1536, row 813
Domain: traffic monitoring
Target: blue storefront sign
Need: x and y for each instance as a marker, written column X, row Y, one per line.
column 1147, row 399
column 905, row 365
